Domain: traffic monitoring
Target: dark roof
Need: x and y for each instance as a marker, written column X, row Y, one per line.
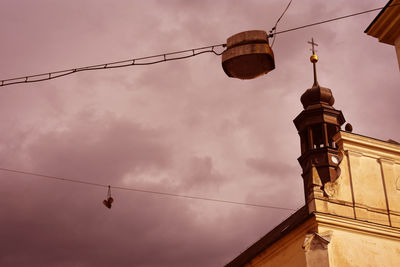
column 377, row 17
column 270, row 238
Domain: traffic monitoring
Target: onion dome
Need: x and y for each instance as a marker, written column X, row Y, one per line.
column 317, row 96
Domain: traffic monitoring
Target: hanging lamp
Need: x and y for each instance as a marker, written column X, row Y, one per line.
column 248, row 55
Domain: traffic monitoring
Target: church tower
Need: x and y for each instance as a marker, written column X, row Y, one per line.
column 317, row 124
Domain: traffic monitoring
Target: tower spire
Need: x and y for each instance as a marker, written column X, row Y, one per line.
column 314, row 59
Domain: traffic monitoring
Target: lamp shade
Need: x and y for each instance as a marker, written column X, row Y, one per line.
column 248, row 55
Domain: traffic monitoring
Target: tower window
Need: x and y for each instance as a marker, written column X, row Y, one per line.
column 317, row 132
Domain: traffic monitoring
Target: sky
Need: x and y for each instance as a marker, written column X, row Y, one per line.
column 179, row 127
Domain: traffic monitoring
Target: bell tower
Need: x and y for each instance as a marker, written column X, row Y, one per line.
column 316, row 125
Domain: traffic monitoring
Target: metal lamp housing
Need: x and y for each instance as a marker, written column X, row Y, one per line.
column 248, row 55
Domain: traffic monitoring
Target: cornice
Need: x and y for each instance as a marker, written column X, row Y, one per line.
column 367, row 146
column 358, row 226
column 386, row 26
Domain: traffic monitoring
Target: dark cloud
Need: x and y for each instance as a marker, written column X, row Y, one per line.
column 201, row 173
column 102, row 147
column 276, row 169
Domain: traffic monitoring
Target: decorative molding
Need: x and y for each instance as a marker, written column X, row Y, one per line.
column 357, row 205
column 358, row 226
column 314, row 241
column 330, row 189
column 384, row 174
column 315, row 247
column 367, row 146
column 386, row 26
column 386, row 160
column 366, row 141
column 336, row 201
column 353, row 153
column 398, row 183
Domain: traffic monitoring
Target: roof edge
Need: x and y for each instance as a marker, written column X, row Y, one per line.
column 377, row 17
column 271, row 237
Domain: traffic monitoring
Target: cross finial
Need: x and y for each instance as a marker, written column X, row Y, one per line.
column 314, row 59
column 313, row 44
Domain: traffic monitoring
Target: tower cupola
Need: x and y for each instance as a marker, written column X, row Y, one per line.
column 316, row 125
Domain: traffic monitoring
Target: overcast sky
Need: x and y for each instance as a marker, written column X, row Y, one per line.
column 180, row 127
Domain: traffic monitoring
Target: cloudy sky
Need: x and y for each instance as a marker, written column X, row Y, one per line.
column 180, row 127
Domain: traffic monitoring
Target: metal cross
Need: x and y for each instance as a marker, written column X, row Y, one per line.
column 313, row 44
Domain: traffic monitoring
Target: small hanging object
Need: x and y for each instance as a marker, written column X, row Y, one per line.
column 107, row 202
column 248, row 55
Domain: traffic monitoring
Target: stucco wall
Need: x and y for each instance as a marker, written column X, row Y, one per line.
column 287, row 251
column 354, row 248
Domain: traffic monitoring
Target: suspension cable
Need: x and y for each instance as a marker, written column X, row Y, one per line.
column 148, row 60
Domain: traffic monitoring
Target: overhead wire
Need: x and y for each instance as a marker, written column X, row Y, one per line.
column 141, row 61
column 194, row 52
column 273, row 30
column 161, row 193
column 143, row 190
column 330, row 20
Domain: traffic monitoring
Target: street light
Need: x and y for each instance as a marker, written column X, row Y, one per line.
column 248, row 55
